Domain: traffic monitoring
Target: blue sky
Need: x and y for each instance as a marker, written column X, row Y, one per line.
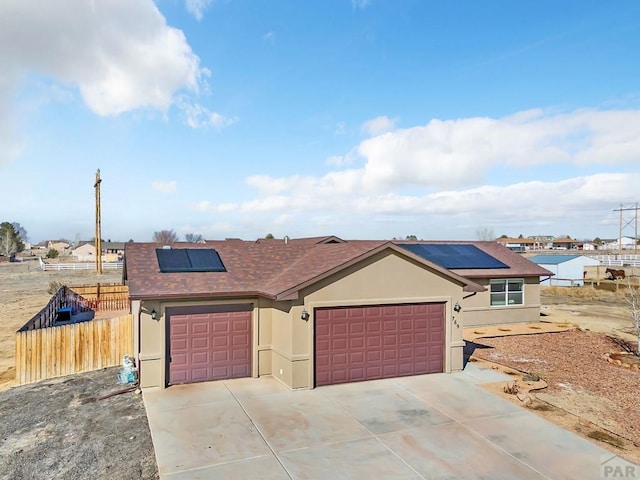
column 357, row 118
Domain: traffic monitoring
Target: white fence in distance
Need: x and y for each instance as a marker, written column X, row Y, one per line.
column 45, row 267
column 618, row 260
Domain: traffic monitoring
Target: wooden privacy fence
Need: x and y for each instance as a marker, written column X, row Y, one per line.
column 74, row 348
column 62, row 298
column 104, row 297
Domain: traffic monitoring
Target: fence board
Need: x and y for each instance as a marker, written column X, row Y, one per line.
column 67, row 349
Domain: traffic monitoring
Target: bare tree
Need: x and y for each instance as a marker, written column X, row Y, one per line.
column 485, row 233
column 633, row 299
column 166, row 237
column 193, row 238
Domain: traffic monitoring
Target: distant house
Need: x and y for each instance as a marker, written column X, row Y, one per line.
column 111, row 252
column 564, row 243
column 84, row 253
column 518, row 245
column 628, row 243
column 568, row 270
column 542, row 242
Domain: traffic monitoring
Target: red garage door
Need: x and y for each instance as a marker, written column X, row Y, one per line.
column 209, row 343
column 383, row 341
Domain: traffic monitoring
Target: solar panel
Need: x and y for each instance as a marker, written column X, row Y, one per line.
column 189, row 260
column 454, row 256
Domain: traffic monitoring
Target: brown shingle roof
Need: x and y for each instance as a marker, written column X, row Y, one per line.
column 278, row 268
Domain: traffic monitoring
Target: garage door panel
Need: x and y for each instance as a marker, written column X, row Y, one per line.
column 179, row 329
column 373, row 342
column 369, row 342
column 200, row 342
column 210, row 345
column 199, row 328
column 339, row 344
column 356, row 357
column 373, row 327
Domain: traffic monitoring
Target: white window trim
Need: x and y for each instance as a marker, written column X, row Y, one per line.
column 506, row 292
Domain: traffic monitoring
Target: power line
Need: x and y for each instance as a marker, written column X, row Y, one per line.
column 625, row 222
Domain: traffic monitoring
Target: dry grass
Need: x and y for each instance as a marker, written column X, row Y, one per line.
column 589, row 293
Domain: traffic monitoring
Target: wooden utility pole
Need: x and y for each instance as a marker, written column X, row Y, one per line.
column 98, row 240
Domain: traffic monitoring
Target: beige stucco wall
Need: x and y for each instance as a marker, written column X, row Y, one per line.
column 283, row 342
column 478, row 310
column 386, row 278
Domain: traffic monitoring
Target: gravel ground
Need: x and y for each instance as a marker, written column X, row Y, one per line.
column 572, row 364
column 60, row 429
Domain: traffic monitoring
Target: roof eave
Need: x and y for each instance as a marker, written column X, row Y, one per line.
column 201, row 295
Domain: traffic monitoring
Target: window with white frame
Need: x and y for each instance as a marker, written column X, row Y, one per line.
column 507, row 291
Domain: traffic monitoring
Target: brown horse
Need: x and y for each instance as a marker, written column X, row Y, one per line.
column 614, row 274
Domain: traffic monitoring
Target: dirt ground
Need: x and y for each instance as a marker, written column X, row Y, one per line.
column 579, row 389
column 23, row 293
column 60, row 428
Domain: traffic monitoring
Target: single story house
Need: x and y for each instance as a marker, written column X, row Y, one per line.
column 627, row 243
column 111, row 252
column 564, row 243
column 568, row 270
column 114, row 248
column 84, row 253
column 317, row 311
column 519, row 245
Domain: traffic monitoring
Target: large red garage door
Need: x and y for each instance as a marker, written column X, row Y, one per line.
column 371, row 342
column 209, row 343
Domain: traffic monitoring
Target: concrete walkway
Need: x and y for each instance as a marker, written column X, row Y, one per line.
column 423, row 427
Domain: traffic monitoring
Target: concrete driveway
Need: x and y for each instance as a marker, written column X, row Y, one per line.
column 429, row 426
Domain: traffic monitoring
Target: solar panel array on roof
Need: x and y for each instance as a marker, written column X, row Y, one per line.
column 174, row 260
column 454, row 256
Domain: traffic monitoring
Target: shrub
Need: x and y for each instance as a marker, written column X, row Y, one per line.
column 54, row 287
column 53, row 253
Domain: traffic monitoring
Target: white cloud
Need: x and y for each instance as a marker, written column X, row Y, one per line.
column 270, row 36
column 456, row 153
column 362, row 4
column 442, row 173
column 120, row 55
column 164, row 187
column 198, row 7
column 341, row 128
column 198, row 116
column 568, row 205
column 378, row 125
column 206, row 206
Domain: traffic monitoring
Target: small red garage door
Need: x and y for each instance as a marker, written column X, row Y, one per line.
column 209, row 343
column 371, row 342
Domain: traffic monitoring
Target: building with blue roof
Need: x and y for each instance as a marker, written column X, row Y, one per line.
column 568, row 269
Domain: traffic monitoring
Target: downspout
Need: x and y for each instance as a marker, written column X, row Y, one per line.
column 136, row 309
